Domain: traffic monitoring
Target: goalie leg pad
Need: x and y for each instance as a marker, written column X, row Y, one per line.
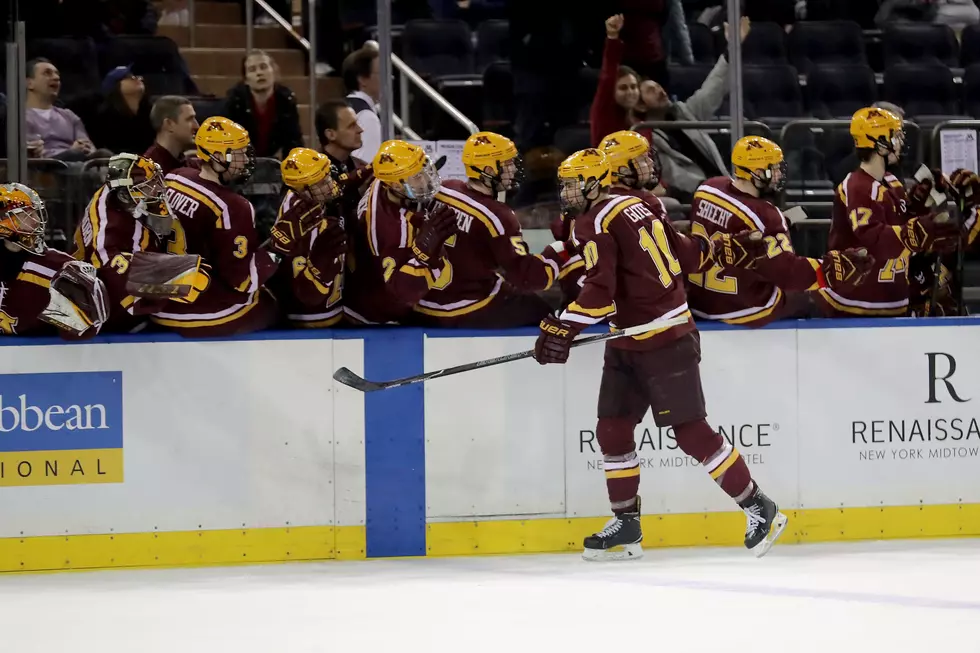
column 77, row 299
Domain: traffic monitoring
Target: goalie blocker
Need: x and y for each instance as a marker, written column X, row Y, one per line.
column 166, row 276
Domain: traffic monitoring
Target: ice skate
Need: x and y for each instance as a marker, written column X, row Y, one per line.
column 619, row 540
column 764, row 523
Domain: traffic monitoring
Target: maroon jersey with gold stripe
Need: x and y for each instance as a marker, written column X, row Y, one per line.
column 25, row 280
column 487, row 250
column 218, row 224
column 749, row 297
column 105, row 237
column 385, row 280
column 868, row 213
column 307, row 301
column 635, row 262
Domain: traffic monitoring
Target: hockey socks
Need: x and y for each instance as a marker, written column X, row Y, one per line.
column 720, row 459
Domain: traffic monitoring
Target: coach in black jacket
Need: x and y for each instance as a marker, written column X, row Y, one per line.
column 265, row 108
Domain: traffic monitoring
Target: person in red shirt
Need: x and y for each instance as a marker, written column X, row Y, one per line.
column 266, row 109
column 618, row 90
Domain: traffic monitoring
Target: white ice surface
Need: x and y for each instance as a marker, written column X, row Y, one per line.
column 868, row 597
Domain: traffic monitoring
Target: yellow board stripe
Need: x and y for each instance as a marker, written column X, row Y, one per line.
column 728, row 206
column 200, row 197
column 44, row 282
column 623, row 473
column 705, row 529
column 182, row 548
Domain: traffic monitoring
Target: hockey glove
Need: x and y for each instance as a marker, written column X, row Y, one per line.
column 78, row 300
column 844, row 270
column 287, row 234
column 737, row 250
column 440, row 224
column 555, row 340
column 326, row 259
column 966, row 185
column 929, row 192
column 929, row 234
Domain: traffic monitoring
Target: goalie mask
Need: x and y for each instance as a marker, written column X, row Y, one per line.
column 632, row 161
column 881, row 130
column 226, row 146
column 311, row 174
column 583, row 179
column 139, row 185
column 760, row 161
column 22, row 217
column 492, row 160
column 407, row 171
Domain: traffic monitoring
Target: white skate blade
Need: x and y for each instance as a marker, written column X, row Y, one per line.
column 625, row 552
column 777, row 528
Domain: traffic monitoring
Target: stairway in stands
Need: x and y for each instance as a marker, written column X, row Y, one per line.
column 215, row 61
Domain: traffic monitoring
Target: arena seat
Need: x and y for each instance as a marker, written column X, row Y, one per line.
column 498, row 96
column 686, row 80
column 772, row 91
column 572, row 139
column 492, row 42
column 438, row 47
column 916, row 43
column 922, row 90
column 837, row 91
column 702, row 43
column 765, row 44
column 971, row 90
column 76, row 61
column 970, row 46
column 816, row 43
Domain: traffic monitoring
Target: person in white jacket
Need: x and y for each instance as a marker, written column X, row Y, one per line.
column 363, row 82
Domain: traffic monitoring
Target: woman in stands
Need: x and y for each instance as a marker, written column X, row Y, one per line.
column 122, row 122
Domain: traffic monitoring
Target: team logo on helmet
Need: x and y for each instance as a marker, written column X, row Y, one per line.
column 290, row 165
column 611, row 142
column 386, row 158
column 481, row 140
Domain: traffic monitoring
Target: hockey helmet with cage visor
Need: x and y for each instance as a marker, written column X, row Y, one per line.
column 633, row 162
column 760, row 161
column 227, row 147
column 139, row 184
column 493, row 160
column 880, row 130
column 407, row 171
column 582, row 179
column 23, row 217
column 311, row 173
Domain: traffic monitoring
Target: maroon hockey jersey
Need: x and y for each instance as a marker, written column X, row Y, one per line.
column 868, row 213
column 737, row 296
column 635, row 264
column 307, row 301
column 105, row 237
column 218, row 224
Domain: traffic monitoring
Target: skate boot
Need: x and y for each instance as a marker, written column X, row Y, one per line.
column 764, row 523
column 618, row 540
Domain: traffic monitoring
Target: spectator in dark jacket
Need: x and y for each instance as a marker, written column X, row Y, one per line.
column 122, row 121
column 265, row 108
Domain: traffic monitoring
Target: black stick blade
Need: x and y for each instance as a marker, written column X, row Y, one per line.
column 348, row 378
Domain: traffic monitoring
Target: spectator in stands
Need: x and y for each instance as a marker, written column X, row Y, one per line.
column 851, row 162
column 54, row 132
column 122, row 121
column 618, row 90
column 688, row 156
column 175, row 122
column 652, row 29
column 363, row 82
column 265, row 108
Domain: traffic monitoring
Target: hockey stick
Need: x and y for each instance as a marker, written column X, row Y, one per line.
column 348, row 378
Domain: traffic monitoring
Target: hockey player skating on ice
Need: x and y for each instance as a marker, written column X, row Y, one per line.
column 635, row 268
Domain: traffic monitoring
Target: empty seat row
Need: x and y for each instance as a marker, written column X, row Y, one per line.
column 446, row 47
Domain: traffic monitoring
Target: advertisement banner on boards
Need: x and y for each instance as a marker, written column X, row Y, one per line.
column 749, row 380
column 888, row 416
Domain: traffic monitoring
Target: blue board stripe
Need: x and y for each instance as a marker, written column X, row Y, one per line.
column 394, row 446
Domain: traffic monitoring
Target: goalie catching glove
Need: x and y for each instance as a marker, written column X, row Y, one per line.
column 78, row 300
column 167, row 276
